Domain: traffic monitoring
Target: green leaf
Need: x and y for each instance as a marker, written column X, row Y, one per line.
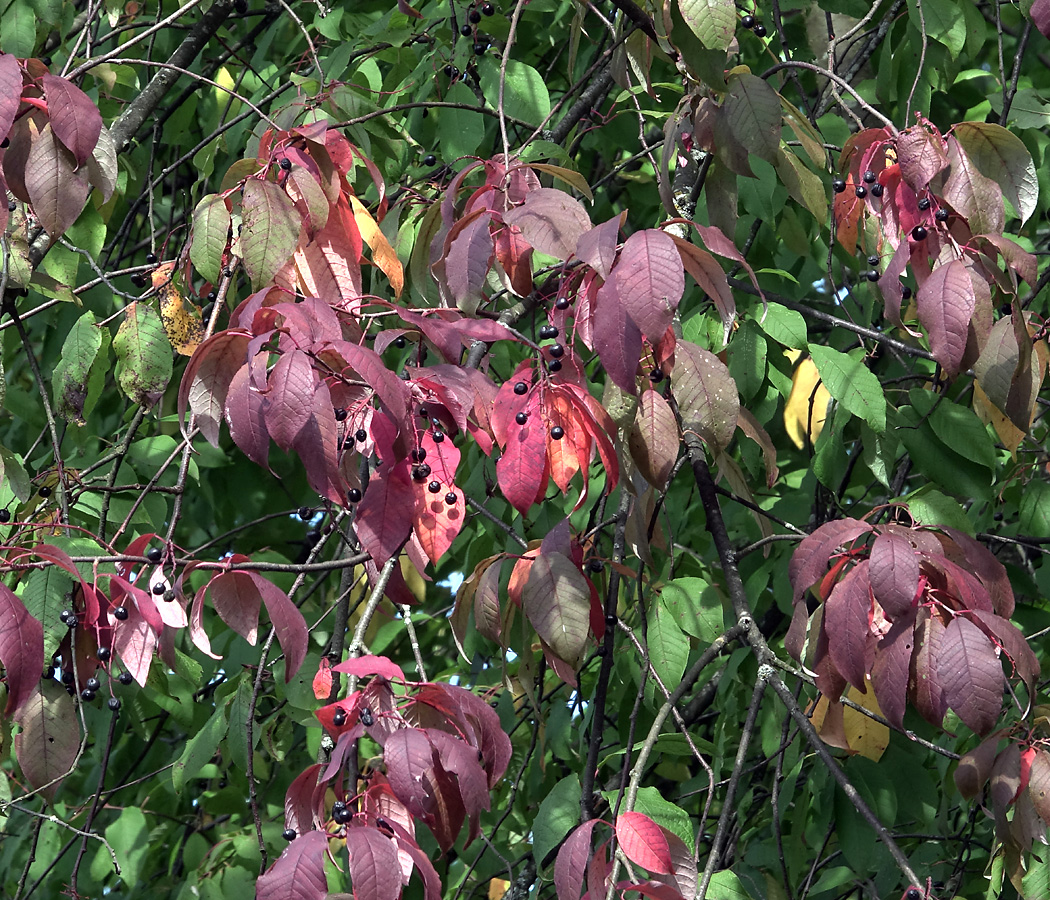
column 944, row 21
column 70, row 381
column 199, row 749
column 1035, row 509
column 144, row 363
column 13, row 474
column 852, row 384
column 961, row 430
column 668, row 652
column 525, row 93
column 785, row 326
column 803, row 185
column 271, row 227
column 725, row 885
column 129, row 838
column 696, row 607
column 1002, row 157
column 559, row 813
column 211, row 227
column 675, row 819
column 752, row 112
column 713, row 21
column 461, row 132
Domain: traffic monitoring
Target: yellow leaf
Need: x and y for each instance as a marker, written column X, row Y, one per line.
column 807, row 405
column 498, row 887
column 383, row 254
column 182, row 321
column 989, row 413
column 865, row 736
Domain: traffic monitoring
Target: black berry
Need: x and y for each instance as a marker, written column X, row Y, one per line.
column 120, row 613
column 561, row 303
column 138, row 280
column 168, row 596
column 438, row 436
column 151, row 258
column 656, row 376
column 924, row 204
column 343, row 816
column 366, row 718
column 424, row 413
column 125, row 678
column 610, row 621
column 450, row 498
column 434, row 487
column 114, row 704
column 211, row 296
column 906, row 293
column 873, row 260
column 919, row 233
column 5, row 516
column 158, row 588
column 361, row 435
column 869, row 177
column 557, row 351
column 521, row 418
column 596, row 565
column 480, row 47
column 941, row 215
column 87, row 696
column 339, row 718
column 521, row 388
column 466, row 30
column 877, row 190
column 399, row 342
column 154, row 554
column 748, row 21
column 913, row 893
column 340, row 414
column 861, row 191
column 474, row 16
column 353, row 495
column 557, row 432
column 759, row 30
column 45, row 491
column 289, row 834
column 66, row 615
column 838, row 185
column 488, row 9
column 451, row 71
column 554, row 365
column 103, row 654
column 872, row 275
column 429, row 159
column 286, row 163
column 92, row 684
column 419, row 454
column 241, row 6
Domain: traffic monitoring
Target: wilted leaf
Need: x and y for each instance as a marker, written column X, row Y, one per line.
column 551, row 221
column 806, row 409
column 70, row 379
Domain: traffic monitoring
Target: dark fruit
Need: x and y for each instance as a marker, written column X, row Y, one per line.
column 154, row 554
column 120, row 613
column 125, row 678
column 873, row 275
column 438, row 436
column 424, row 470
column 488, row 9
column 424, row 413
column 338, row 805
column 554, row 365
column 211, row 296
column 877, row 190
column 5, row 516
column 759, row 30
column 451, row 71
column 339, row 718
column 434, row 487
column 466, row 30
column 906, row 293
column 45, row 491
column 596, row 565
column 114, row 704
column 924, row 204
column 92, row 684
column 838, row 185
column 353, row 495
column 343, row 816
column 158, row 588
column 869, row 177
column 561, row 303
column 168, row 596
column 861, row 191
column 557, row 432
column 873, row 260
column 450, row 498
column 366, row 718
column 399, row 342
column 151, row 258
column 313, row 536
column 521, row 388
column 656, row 376
column 361, row 435
column 748, row 21
column 87, row 696
column 103, row 654
column 474, row 16
column 289, row 834
column 480, row 47
column 340, row 414
column 919, row 233
column 548, row 331
column 557, row 351
column 305, row 513
column 419, row 454
column 521, row 418
column 66, row 615
column 429, row 159
column 138, row 280
column 285, row 163
column 913, row 893
column 417, row 473
column 941, row 215
column 610, row 621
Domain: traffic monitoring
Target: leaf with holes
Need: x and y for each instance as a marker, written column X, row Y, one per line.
column 46, row 747
column 144, row 361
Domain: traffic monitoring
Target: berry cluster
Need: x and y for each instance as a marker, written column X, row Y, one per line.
column 753, row 24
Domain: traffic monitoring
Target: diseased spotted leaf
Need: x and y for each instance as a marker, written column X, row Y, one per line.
column 270, row 231
column 211, row 228
column 752, row 111
column 76, row 121
column 56, row 190
column 847, row 623
column 852, row 383
column 894, row 572
column 653, row 439
column 71, row 379
column 552, row 222
column 557, row 601
column 810, row 560
column 298, row 873
column 144, row 360
column 945, row 303
column 921, row 155
column 970, row 674
column 47, row 744
column 977, row 198
column 650, row 281
column 706, row 394
column 713, row 21
column 1002, row 156
column 644, row 842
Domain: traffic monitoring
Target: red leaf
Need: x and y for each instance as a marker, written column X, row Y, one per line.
column 616, row 337
column 894, row 573
column 654, row 439
column 236, row 599
column 570, row 867
column 291, row 389
column 374, row 868
column 847, row 622
column 329, row 267
column 75, row 119
column 597, row 247
column 971, row 675
column 656, row 890
column 551, row 221
column 47, row 745
column 921, row 156
column 467, row 262
column 207, row 380
column 384, row 515
column 10, row 92
column 288, row 622
column 409, row 759
column 359, row 666
column 891, row 669
column 650, row 281
column 57, row 192
column 21, row 649
column 945, row 303
column 298, row 873
column 322, row 683
column 810, row 560
column 302, row 801
column 523, row 470
column 644, row 842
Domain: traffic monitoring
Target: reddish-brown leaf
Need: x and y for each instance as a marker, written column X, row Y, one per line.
column 570, row 867
column 847, row 623
column 557, row 600
column 1012, row 641
column 707, row 273
column 927, row 690
column 374, row 868
column 978, row 199
column 921, row 155
column 975, row 767
column 1039, row 785
column 21, row 649
column 384, row 515
column 135, row 642
column 891, row 669
column 298, row 873
column 207, row 380
column 650, row 281
column 551, row 221
column 329, row 266
column 597, row 247
column 894, row 574
column 970, row 674
column 47, row 744
column 616, row 337
column 291, row 389
column 654, row 439
column 287, row 622
column 76, row 121
column 56, row 190
column 302, row 810
column 10, row 91
column 811, row 558
column 644, row 842
column 245, row 410
column 236, row 599
column 409, row 759
column 522, row 470
column 1005, row 783
column 707, row 396
column 946, row 303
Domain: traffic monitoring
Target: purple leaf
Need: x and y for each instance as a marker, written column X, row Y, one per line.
column 971, row 675
column 270, row 231
column 317, row 446
column 597, row 247
column 557, row 601
column 246, row 416
column 1002, row 156
column 21, row 649
column 810, row 559
column 988, row 568
column 891, row 668
column 409, row 760
column 1040, row 15
column 921, row 156
column 236, row 599
column 384, row 516
column 927, row 689
column 375, row 872
column 57, row 192
column 390, row 389
column 1012, row 641
column 10, row 92
column 706, row 393
column 288, row 622
column 570, row 867
column 207, row 380
column 894, row 574
column 945, row 304
column 650, row 281
column 552, row 222
column 847, row 623
column 468, row 260
column 76, row 121
column 978, row 199
column 1005, row 783
column 301, row 801
column 291, row 384
column 298, row 873
column 616, row 337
